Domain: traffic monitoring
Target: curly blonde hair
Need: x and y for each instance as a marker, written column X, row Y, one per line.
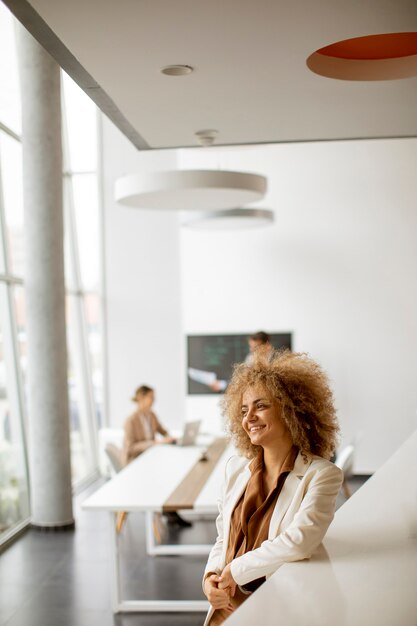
column 303, row 391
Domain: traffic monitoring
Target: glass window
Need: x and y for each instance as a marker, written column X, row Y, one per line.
column 82, row 226
column 14, row 499
column 10, row 111
column 81, row 124
column 82, row 265
column 70, row 278
column 12, row 183
column 93, row 319
column 87, row 229
column 20, row 320
column 80, row 424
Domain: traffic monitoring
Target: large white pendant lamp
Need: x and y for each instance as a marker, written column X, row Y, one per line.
column 190, row 190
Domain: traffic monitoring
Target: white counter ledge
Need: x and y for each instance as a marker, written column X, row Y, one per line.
column 365, row 573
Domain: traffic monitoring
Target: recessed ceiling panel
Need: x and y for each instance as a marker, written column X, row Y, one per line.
column 250, row 80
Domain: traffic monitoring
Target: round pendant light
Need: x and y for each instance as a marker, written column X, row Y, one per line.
column 190, row 189
column 229, row 219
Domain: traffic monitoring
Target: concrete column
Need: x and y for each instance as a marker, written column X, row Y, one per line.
column 49, row 444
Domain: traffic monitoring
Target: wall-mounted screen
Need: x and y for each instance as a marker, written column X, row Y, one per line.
column 211, row 359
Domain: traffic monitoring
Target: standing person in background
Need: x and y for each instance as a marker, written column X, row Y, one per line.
column 140, row 433
column 257, row 340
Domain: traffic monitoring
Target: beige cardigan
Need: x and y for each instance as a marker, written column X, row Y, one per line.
column 135, row 441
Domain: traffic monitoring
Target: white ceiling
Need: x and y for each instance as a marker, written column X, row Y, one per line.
column 251, row 82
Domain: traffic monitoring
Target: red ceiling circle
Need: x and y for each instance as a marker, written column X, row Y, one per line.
column 386, row 56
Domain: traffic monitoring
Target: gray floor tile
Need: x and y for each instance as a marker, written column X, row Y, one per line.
column 49, row 616
column 26, row 571
column 159, row 619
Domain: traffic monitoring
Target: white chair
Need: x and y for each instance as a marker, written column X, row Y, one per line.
column 344, row 460
column 114, row 454
column 108, row 435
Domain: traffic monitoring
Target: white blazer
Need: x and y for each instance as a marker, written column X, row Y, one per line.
column 303, row 511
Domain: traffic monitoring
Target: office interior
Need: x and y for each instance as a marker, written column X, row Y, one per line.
column 336, row 268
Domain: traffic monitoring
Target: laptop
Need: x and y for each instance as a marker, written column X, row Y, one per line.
column 190, row 433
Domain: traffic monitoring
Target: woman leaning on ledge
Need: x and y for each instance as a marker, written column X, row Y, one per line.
column 279, row 497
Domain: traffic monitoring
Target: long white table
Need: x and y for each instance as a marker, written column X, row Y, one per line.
column 365, row 574
column 145, row 486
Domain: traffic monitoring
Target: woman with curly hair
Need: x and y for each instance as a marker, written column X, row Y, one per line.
column 279, row 496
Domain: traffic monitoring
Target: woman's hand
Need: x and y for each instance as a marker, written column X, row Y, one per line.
column 218, row 598
column 226, row 580
column 168, row 440
column 165, row 440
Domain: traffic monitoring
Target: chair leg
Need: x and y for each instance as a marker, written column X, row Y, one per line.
column 346, row 489
column 120, row 521
column 121, row 518
column 156, row 522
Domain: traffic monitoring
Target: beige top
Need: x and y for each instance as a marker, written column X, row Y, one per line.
column 250, row 523
column 140, row 431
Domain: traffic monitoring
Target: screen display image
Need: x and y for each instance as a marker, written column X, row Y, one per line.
column 211, row 359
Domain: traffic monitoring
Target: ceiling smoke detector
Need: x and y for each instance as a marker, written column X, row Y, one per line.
column 177, row 70
column 206, row 137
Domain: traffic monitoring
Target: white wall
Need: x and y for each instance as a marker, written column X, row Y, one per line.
column 142, row 290
column 338, row 269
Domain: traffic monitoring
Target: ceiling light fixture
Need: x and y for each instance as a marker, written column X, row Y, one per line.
column 190, row 189
column 229, row 219
column 177, row 70
column 206, row 137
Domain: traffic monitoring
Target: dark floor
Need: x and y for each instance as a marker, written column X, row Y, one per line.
column 63, row 579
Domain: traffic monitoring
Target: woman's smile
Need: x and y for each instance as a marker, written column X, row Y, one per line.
column 255, row 428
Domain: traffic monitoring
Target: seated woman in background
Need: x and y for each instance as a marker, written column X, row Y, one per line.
column 141, row 427
column 140, row 433
column 276, row 506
